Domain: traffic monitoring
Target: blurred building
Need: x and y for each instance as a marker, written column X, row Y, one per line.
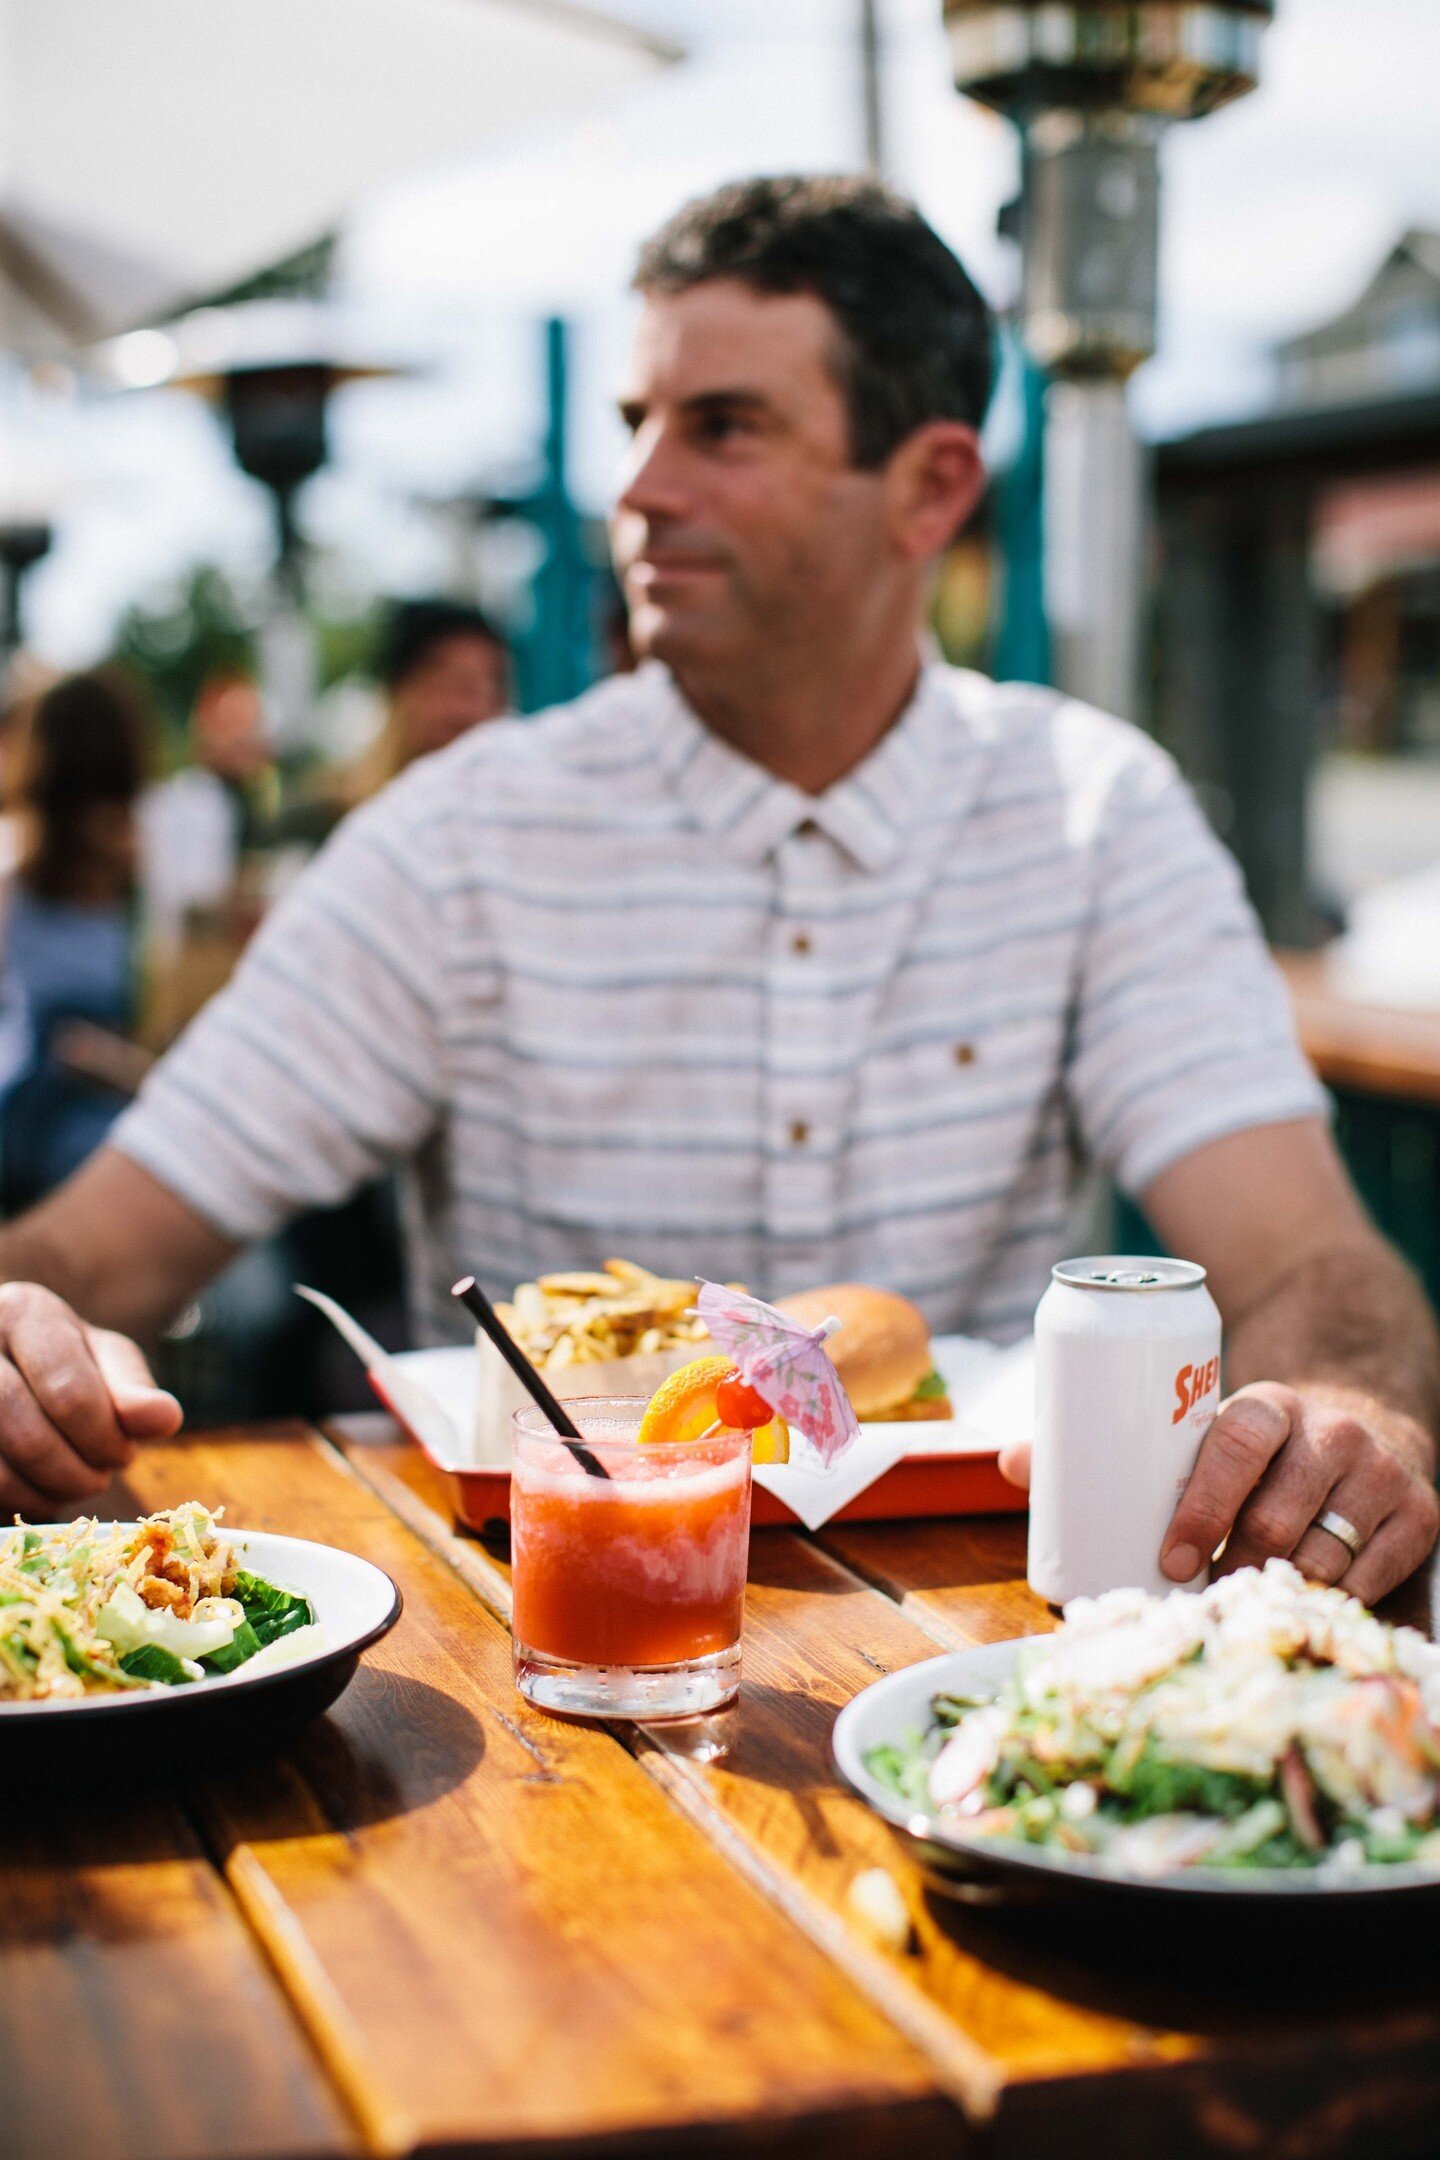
column 1386, row 344
column 1298, row 605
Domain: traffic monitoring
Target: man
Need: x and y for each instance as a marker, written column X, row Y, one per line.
column 788, row 957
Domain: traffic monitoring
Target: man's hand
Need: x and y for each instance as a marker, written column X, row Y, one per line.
column 74, row 1400
column 1276, row 1459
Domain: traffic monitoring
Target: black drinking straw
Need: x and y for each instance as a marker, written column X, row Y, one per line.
column 473, row 1298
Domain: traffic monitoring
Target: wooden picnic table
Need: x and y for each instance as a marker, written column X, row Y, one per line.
column 443, row 1923
column 1375, row 1049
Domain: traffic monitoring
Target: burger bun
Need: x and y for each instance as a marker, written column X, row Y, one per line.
column 881, row 1349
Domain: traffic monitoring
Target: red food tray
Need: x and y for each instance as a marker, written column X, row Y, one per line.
column 967, row 1482
column 924, row 1485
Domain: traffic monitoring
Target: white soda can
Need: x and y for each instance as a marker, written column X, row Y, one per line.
column 1127, row 1380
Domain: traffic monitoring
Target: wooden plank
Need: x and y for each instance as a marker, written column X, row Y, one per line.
column 963, row 1580
column 138, row 2018
column 497, row 1929
column 1047, row 2035
column 814, row 1636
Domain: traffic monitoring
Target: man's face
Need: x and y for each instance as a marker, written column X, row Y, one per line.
column 229, row 729
column 458, row 682
column 742, row 523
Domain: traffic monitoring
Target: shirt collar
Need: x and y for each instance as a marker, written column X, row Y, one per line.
column 870, row 813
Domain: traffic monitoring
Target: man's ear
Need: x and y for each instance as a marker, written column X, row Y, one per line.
column 934, row 480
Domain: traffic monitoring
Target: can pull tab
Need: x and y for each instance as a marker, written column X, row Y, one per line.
column 1125, row 1278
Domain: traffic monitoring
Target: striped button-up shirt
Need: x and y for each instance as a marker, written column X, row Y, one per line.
column 602, row 985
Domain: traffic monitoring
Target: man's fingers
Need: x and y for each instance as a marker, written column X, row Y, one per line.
column 1301, row 1483
column 35, row 1450
column 48, row 1347
column 1244, row 1439
column 1366, row 1499
column 144, row 1411
column 1015, row 1463
column 1398, row 1547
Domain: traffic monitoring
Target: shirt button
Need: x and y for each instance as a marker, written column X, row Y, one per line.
column 800, row 943
column 808, row 830
column 964, row 1053
column 799, row 1133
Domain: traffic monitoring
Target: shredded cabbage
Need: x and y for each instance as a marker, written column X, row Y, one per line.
column 91, row 1608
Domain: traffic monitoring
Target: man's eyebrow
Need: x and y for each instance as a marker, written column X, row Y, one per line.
column 705, row 404
column 727, row 401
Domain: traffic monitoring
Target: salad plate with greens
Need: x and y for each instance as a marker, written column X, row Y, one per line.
column 102, row 1622
column 1266, row 1735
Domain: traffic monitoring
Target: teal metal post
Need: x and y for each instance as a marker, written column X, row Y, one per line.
column 557, row 657
column 1022, row 636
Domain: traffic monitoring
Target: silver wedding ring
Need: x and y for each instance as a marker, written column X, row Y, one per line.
column 1340, row 1527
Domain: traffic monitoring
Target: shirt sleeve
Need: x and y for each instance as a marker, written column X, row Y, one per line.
column 1182, row 1027
column 321, row 1062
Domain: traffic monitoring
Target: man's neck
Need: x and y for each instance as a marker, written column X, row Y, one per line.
column 810, row 729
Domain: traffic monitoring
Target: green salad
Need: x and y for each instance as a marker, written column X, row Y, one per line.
column 1265, row 1722
column 92, row 1608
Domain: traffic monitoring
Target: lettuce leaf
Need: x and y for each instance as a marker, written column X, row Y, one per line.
column 904, row 1770
column 150, row 1662
column 270, row 1612
column 242, row 1645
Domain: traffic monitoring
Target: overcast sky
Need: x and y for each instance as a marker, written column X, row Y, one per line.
column 1275, row 213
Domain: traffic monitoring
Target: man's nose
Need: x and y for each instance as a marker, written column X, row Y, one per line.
column 653, row 483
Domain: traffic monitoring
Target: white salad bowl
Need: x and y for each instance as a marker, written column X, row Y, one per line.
column 988, row 1870
column 354, row 1604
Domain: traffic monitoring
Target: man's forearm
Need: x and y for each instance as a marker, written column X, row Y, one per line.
column 30, row 1251
column 117, row 1245
column 1351, row 1324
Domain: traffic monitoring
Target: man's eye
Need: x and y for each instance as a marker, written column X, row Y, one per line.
column 720, row 427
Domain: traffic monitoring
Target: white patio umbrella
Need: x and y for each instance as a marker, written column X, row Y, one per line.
column 154, row 151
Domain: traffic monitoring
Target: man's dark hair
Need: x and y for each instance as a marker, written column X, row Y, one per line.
column 415, row 627
column 915, row 336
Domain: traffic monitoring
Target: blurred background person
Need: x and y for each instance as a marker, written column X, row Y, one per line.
column 24, row 682
column 70, row 933
column 198, row 823
column 445, row 669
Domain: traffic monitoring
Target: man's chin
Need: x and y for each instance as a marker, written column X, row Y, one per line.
column 677, row 638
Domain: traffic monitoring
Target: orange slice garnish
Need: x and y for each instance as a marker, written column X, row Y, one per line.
column 687, row 1406
column 684, row 1406
column 771, row 1443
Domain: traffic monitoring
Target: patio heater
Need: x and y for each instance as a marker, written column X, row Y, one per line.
column 21, row 547
column 1092, row 86
column 269, row 368
column 276, row 418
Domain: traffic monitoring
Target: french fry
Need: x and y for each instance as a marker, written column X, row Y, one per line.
column 586, row 1316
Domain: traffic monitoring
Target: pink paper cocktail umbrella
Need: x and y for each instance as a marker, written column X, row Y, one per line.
column 785, row 1363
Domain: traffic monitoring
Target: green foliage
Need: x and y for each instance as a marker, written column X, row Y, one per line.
column 174, row 646
column 305, row 275
column 204, row 627
column 344, row 645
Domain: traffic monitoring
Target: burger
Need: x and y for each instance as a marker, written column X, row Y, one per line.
column 881, row 1351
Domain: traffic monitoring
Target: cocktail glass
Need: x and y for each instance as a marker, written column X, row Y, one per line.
column 629, row 1590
